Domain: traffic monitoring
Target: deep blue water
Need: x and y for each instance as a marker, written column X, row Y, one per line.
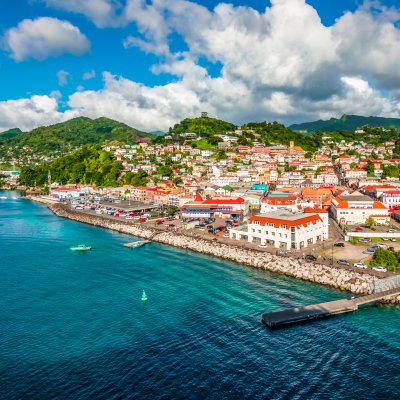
column 72, row 326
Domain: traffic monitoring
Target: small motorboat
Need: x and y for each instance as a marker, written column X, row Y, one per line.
column 144, row 297
column 81, row 247
column 3, row 197
column 15, row 198
column 138, row 244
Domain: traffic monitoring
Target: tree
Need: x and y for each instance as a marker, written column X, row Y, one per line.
column 2, row 183
column 369, row 222
column 370, row 168
column 353, row 165
column 308, row 155
column 171, row 210
column 177, row 180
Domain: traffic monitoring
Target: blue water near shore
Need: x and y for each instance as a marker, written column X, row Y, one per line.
column 72, row 325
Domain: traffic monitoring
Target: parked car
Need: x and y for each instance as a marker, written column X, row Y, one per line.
column 391, row 230
column 201, row 229
column 142, row 219
column 262, row 246
column 225, row 230
column 311, row 257
column 379, row 269
column 393, row 239
column 391, row 248
column 343, row 262
column 225, row 236
column 339, row 244
column 381, row 244
column 385, row 239
column 209, row 226
column 365, row 240
column 360, row 265
column 368, row 251
column 129, row 218
column 178, row 226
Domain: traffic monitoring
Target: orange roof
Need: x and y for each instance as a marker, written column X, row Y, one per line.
column 301, row 221
column 376, row 216
column 309, row 192
column 378, row 204
column 315, row 210
column 324, row 191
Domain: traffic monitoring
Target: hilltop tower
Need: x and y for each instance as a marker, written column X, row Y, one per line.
column 291, row 148
column 204, row 114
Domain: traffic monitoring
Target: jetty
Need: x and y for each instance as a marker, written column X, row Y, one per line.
column 136, row 243
column 383, row 289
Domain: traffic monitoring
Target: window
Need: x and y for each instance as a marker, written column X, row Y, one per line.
column 273, row 233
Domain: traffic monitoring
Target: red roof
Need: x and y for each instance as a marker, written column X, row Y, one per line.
column 198, row 197
column 239, row 200
column 62, row 188
column 315, row 210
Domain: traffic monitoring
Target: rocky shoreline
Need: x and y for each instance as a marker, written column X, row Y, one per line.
column 351, row 281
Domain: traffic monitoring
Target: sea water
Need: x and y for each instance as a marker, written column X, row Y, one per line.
column 73, row 326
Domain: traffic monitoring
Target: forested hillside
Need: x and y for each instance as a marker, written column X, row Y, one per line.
column 203, row 125
column 346, row 123
column 89, row 165
column 75, row 133
column 9, row 134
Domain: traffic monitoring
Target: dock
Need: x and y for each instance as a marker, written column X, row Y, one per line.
column 322, row 310
column 136, row 243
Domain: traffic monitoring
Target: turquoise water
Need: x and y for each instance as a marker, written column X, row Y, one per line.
column 72, row 325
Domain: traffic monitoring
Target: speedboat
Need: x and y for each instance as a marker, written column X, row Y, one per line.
column 134, row 246
column 3, row 197
column 81, row 247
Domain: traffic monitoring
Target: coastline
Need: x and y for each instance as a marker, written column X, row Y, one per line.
column 350, row 281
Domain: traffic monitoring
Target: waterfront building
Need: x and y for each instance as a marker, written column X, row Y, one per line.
column 356, row 209
column 282, row 229
column 279, row 202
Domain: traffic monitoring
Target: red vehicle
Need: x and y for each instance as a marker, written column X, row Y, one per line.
column 133, row 214
column 142, row 219
column 116, row 215
column 159, row 220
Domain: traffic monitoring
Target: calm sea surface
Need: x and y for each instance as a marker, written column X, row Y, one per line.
column 72, row 326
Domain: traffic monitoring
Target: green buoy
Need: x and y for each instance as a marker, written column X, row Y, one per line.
column 144, row 297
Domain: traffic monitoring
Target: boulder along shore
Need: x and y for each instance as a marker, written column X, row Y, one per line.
column 351, row 281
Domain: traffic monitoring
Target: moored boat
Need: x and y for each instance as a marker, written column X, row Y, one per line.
column 137, row 244
column 3, row 197
column 81, row 247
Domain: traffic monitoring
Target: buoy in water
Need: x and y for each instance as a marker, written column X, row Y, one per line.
column 144, row 297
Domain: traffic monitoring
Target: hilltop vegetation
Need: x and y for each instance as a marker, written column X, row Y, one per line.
column 89, row 165
column 205, row 125
column 9, row 134
column 74, row 133
column 347, row 123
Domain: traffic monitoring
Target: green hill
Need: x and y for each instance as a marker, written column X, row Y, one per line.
column 203, row 125
column 9, row 134
column 75, row 133
column 346, row 123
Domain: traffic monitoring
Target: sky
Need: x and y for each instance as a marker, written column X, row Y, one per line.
column 151, row 64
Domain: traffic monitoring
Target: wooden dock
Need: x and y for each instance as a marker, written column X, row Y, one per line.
column 136, row 243
column 308, row 313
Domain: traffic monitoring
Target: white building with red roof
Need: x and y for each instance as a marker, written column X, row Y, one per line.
column 282, row 229
column 276, row 202
column 355, row 209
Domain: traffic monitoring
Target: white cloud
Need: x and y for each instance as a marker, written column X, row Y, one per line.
column 89, row 75
column 102, row 12
column 56, row 94
column 63, row 77
column 31, row 113
column 44, row 37
column 282, row 64
column 80, row 88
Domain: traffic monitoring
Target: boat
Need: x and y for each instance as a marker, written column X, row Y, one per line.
column 144, row 297
column 15, row 198
column 81, row 247
column 3, row 197
column 137, row 244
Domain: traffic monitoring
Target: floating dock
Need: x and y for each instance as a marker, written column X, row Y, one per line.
column 308, row 313
column 136, row 243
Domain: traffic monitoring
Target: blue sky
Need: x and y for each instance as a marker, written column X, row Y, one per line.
column 196, row 72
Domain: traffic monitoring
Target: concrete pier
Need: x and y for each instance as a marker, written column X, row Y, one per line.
column 308, row 313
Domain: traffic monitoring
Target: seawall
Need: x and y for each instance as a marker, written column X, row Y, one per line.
column 351, row 281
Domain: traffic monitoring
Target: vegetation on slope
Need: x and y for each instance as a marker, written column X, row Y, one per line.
column 347, row 123
column 9, row 134
column 75, row 133
column 89, row 165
